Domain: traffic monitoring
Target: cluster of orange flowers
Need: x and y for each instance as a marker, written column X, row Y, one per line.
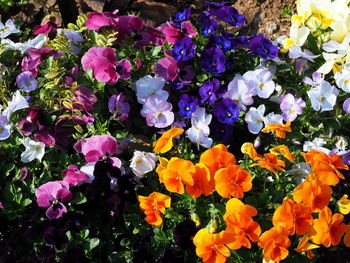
column 217, row 170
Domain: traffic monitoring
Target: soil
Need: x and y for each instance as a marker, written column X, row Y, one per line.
column 262, row 16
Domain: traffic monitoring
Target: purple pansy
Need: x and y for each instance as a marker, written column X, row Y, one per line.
column 187, row 105
column 184, row 49
column 123, row 68
column 157, row 112
column 291, row 107
column 227, row 14
column 52, row 195
column 213, row 61
column 118, row 107
column 26, row 81
column 181, row 16
column 226, row 111
column 208, row 23
column 346, row 106
column 262, row 47
column 209, row 91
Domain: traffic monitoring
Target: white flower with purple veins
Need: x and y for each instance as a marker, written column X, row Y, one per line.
column 8, row 29
column 342, row 79
column 291, row 107
column 260, row 82
column 157, row 112
column 317, row 79
column 255, row 119
column 26, row 81
column 199, row 132
column 149, row 86
column 323, row 97
column 296, row 52
column 239, row 92
column 5, row 127
column 34, row 150
column 142, row 163
column 316, row 144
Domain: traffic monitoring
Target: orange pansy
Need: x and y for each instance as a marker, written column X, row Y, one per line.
column 305, row 246
column 278, row 128
column 232, row 181
column 327, row 229
column 275, row 243
column 177, row 172
column 295, row 218
column 240, row 225
column 248, row 148
column 163, row 164
column 312, row 193
column 165, row 142
column 216, row 158
column 283, row 149
column 325, row 166
column 210, row 247
column 347, row 236
column 153, row 206
column 271, row 163
column 202, row 183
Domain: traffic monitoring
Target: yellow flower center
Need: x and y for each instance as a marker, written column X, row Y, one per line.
column 55, row 202
column 322, row 99
column 261, row 85
column 138, row 161
column 187, row 108
column 1, row 129
column 37, row 148
column 236, row 100
column 346, row 81
column 182, row 52
column 228, row 114
column 159, row 115
column 292, row 111
column 28, row 84
column 259, row 121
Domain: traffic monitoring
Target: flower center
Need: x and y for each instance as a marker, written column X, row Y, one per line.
column 1, row 129
column 228, row 114
column 138, row 161
column 187, row 108
column 236, row 100
column 259, row 121
column 214, row 64
column 346, row 81
column 261, row 85
column 37, row 148
column 55, row 202
column 292, row 111
column 28, row 84
column 322, row 99
column 182, row 52
column 159, row 115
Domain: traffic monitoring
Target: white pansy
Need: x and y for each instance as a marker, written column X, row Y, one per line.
column 8, row 29
column 17, row 102
column 316, row 144
column 323, row 97
column 34, row 150
column 150, row 86
column 37, row 43
column 142, row 163
column 260, row 82
column 299, row 171
column 342, row 79
column 255, row 119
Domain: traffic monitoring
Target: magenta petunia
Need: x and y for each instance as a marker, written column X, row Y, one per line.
column 102, row 61
column 97, row 20
column 52, row 195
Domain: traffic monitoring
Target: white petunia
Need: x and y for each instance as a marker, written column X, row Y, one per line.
column 34, row 150
column 142, row 163
column 323, row 97
column 255, row 119
column 150, row 86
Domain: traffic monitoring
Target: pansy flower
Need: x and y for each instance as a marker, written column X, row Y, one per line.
column 199, row 131
column 260, row 82
column 208, row 24
column 52, row 195
column 184, row 49
column 187, row 105
column 142, row 163
column 238, row 90
column 165, row 142
column 150, row 86
column 157, row 112
column 262, row 47
column 291, row 107
column 255, row 119
column 323, row 97
column 226, row 111
column 118, row 106
column 209, row 91
column 96, row 20
column 213, row 61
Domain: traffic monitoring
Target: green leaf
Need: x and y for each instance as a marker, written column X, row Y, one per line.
column 79, row 198
column 156, row 50
column 94, row 242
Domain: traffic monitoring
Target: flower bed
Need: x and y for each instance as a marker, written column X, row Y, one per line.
column 121, row 142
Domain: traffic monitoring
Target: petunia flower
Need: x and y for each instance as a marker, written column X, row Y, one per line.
column 150, row 86
column 291, row 107
column 52, row 195
column 260, row 82
column 142, row 163
column 323, row 97
column 157, row 112
column 34, row 150
column 165, row 142
column 26, row 81
column 255, row 119
column 18, row 102
column 153, row 206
